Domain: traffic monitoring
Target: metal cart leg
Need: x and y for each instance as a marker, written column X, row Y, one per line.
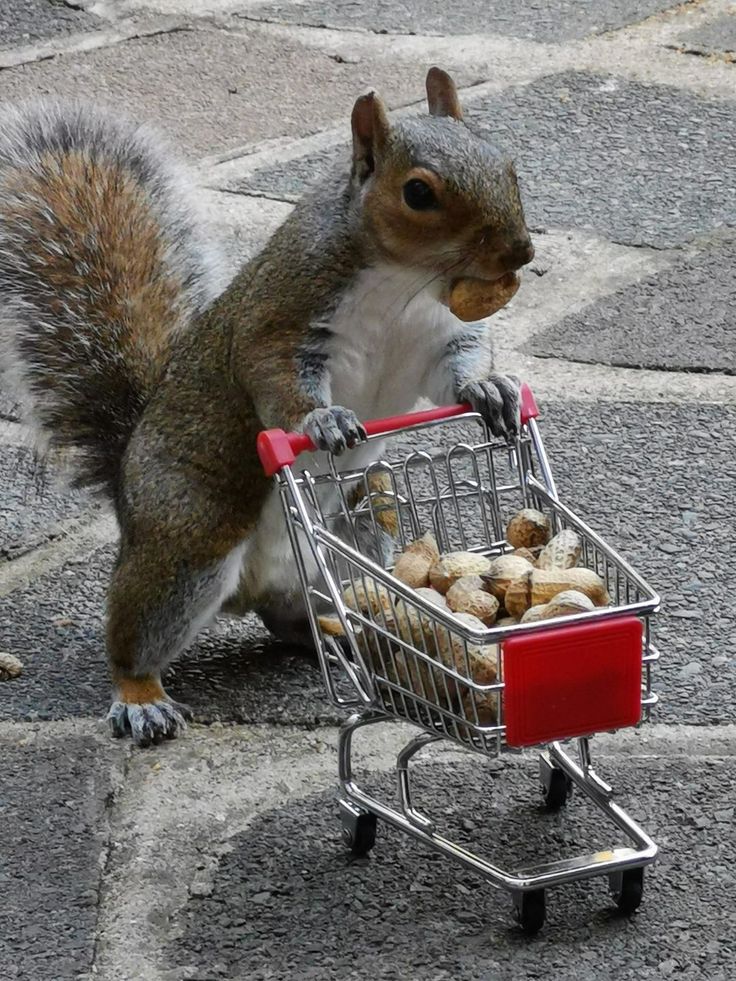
column 623, row 866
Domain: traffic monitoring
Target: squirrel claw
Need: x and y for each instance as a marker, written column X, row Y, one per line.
column 148, row 723
column 334, row 429
column 497, row 400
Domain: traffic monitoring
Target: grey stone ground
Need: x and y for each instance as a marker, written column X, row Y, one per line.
column 219, row 856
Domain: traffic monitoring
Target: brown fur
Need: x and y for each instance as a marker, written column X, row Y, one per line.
column 123, row 284
column 139, row 691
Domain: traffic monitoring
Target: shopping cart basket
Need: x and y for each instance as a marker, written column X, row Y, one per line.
column 566, row 679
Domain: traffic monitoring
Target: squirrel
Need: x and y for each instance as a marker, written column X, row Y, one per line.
column 124, row 344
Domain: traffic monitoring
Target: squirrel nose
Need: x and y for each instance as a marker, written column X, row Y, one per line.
column 520, row 253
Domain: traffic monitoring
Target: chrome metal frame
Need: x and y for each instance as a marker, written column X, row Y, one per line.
column 365, row 672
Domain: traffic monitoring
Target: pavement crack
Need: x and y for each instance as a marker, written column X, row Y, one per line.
column 668, row 370
column 111, row 799
column 726, row 57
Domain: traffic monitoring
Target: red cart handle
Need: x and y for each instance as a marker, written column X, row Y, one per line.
column 278, row 449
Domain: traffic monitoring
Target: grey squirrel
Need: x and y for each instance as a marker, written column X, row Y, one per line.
column 124, row 345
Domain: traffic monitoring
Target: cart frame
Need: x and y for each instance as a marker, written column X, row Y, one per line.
column 356, row 674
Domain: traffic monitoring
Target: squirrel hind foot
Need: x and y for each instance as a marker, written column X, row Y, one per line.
column 148, row 723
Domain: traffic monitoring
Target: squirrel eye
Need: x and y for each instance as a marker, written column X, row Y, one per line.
column 419, row 195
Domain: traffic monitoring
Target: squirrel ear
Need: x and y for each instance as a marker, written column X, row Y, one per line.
column 442, row 95
column 370, row 131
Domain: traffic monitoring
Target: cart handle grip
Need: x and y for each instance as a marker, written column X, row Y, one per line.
column 278, row 449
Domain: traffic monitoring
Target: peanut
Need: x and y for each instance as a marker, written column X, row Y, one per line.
column 528, row 528
column 475, row 299
column 562, row 551
column 453, row 566
column 413, row 565
column 467, row 596
column 503, row 571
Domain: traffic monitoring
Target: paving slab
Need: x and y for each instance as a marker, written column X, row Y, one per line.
column 657, row 481
column 26, row 21
column 716, row 37
column 282, row 900
column 53, row 815
column 548, row 20
column 623, row 157
column 33, row 508
column 680, row 319
column 235, row 672
column 211, row 90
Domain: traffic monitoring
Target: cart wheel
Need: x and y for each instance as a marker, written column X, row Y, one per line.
column 556, row 788
column 628, row 891
column 530, row 911
column 360, row 836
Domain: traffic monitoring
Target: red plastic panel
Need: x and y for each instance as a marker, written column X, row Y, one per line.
column 572, row 681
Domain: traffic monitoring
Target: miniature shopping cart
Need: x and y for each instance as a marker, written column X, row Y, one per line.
column 567, row 679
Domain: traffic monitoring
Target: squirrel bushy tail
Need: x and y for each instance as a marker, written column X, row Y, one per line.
column 103, row 260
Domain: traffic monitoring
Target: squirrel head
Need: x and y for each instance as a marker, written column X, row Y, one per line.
column 434, row 194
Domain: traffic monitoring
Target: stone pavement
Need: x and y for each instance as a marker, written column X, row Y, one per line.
column 219, row 856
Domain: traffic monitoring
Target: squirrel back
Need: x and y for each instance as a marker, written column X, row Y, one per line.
column 103, row 260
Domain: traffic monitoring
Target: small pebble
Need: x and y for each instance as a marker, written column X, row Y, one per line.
column 10, row 666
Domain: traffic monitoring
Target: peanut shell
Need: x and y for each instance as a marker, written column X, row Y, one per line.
column 10, row 666
column 547, row 583
column 433, row 596
column 453, row 566
column 518, row 597
column 528, row 528
column 530, row 555
column 567, row 603
column 535, row 613
column 474, row 299
column 367, row 596
column 467, row 596
column 413, row 565
column 562, row 551
column 503, row 571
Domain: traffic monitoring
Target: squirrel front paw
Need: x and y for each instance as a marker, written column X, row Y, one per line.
column 334, row 429
column 150, row 722
column 497, row 399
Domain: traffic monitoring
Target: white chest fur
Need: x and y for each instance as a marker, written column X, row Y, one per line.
column 388, row 337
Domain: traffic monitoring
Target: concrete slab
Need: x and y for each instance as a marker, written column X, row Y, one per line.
column 55, row 625
column 26, row 21
column 54, row 819
column 716, row 37
column 229, row 863
column 623, row 157
column 545, row 21
column 680, row 319
column 282, row 900
column 210, row 90
column 33, row 508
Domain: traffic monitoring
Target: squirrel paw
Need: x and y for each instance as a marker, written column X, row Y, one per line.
column 334, row 429
column 497, row 399
column 148, row 723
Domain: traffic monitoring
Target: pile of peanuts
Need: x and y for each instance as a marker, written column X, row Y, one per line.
column 538, row 580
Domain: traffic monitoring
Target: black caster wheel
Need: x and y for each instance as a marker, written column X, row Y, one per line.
column 556, row 789
column 360, row 837
column 627, row 890
column 530, row 911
